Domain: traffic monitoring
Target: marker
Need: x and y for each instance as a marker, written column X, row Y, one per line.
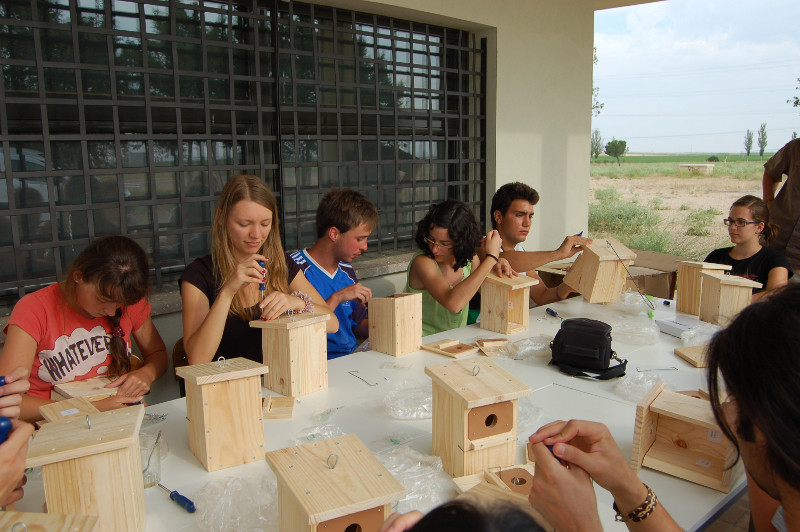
column 263, row 285
column 580, row 234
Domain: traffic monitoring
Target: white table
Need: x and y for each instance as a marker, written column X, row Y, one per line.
column 362, row 413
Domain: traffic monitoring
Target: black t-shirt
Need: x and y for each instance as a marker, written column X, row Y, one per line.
column 238, row 338
column 755, row 268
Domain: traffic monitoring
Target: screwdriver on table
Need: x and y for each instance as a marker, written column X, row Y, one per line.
column 553, row 313
column 179, row 499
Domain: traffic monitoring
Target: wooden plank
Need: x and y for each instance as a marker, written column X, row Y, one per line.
column 690, row 409
column 511, row 283
column 491, row 342
column 450, row 348
column 108, row 485
column 219, row 371
column 76, row 406
column 644, row 427
column 93, row 388
column 477, row 382
column 232, row 423
column 278, row 407
column 297, row 359
column 291, row 322
column 49, row 522
column 467, row 482
column 706, row 471
column 71, row 438
column 356, row 482
column 723, row 296
column 395, row 324
column 696, row 355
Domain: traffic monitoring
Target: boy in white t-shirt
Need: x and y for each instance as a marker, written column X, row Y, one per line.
column 512, row 215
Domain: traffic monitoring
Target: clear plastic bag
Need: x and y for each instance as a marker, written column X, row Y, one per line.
column 634, row 386
column 316, row 433
column 632, row 302
column 426, row 483
column 636, row 331
column 235, row 504
column 410, row 403
column 535, row 346
column 699, row 335
column 529, row 416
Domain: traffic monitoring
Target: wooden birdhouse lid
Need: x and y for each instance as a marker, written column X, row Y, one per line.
column 85, row 388
column 731, row 280
column 477, row 381
column 335, row 477
column 72, row 438
column 291, row 322
column 221, row 370
column 512, row 283
column 604, row 249
column 35, row 521
column 705, row 265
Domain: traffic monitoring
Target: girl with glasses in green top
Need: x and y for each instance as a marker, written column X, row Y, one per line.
column 447, row 270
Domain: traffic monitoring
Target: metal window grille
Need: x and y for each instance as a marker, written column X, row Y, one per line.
column 127, row 117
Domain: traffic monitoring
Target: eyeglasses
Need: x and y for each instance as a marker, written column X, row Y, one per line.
column 428, row 240
column 738, row 222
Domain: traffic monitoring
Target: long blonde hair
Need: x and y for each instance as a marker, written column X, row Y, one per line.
column 238, row 188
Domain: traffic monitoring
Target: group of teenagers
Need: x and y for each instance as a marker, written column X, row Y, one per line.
column 82, row 327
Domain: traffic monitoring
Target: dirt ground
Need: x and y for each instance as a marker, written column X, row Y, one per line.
column 679, row 196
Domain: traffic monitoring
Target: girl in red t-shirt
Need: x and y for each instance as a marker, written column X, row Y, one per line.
column 82, row 327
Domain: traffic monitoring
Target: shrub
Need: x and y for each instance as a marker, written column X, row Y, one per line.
column 657, row 204
column 684, row 207
column 699, row 220
column 619, row 218
column 713, row 159
column 606, row 195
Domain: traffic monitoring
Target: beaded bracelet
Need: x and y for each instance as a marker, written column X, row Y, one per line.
column 305, row 297
column 641, row 512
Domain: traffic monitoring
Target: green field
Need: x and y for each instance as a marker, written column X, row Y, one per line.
column 669, row 165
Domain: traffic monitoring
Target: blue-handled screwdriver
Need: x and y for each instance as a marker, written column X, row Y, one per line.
column 263, row 285
column 553, row 313
column 179, row 499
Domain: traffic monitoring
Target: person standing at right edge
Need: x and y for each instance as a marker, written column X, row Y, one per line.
column 784, row 208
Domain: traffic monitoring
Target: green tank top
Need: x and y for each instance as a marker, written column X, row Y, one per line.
column 435, row 317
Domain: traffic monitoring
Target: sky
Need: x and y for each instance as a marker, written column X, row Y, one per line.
column 691, row 76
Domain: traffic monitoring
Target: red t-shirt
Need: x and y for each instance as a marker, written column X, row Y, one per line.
column 69, row 346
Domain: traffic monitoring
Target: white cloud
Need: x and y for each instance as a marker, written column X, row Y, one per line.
column 673, row 72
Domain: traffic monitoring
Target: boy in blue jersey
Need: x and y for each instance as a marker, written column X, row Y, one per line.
column 344, row 220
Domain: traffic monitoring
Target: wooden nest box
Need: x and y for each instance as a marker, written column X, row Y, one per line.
column 296, row 351
column 599, row 272
column 334, row 485
column 93, row 468
column 677, row 434
column 395, row 324
column 690, row 284
column 475, row 409
column 504, row 303
column 723, row 296
column 224, row 412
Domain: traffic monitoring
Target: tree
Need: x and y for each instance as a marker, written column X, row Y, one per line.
column 616, row 148
column 597, row 144
column 748, row 143
column 762, row 139
column 596, row 103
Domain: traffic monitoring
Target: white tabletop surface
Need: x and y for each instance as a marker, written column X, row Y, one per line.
column 362, row 412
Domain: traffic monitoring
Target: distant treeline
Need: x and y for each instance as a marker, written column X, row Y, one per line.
column 678, row 158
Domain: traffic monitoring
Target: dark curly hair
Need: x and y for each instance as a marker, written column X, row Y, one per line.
column 463, row 516
column 509, row 192
column 756, row 356
column 460, row 223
